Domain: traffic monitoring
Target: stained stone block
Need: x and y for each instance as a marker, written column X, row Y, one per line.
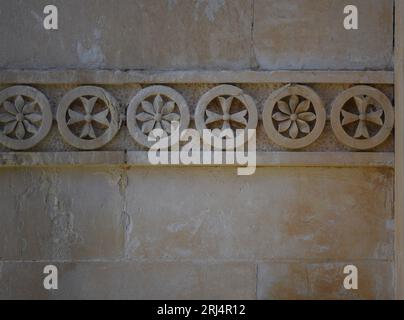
column 324, row 280
column 279, row 280
column 288, row 213
column 375, row 280
column 132, row 280
column 22, row 280
column 128, row 34
column 214, row 34
column 309, row 34
column 61, row 214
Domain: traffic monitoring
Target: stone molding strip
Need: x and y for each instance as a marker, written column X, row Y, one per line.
column 140, row 158
column 115, row 77
column 294, row 116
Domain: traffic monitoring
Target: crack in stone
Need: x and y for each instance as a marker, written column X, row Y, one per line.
column 125, row 217
column 63, row 234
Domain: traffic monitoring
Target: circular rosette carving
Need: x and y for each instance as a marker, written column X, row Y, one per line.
column 294, row 116
column 88, row 117
column 362, row 117
column 157, row 107
column 226, row 107
column 25, row 117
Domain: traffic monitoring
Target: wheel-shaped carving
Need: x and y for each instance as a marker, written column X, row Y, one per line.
column 25, row 117
column 226, row 107
column 362, row 117
column 294, row 116
column 88, row 117
column 157, row 107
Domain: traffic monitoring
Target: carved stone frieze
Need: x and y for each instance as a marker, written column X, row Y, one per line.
column 293, row 116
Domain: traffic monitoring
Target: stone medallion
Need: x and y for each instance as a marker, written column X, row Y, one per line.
column 362, row 117
column 25, row 117
column 294, row 116
column 157, row 107
column 88, row 117
column 226, row 107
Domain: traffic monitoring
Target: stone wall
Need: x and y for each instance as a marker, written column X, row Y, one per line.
column 198, row 34
column 175, row 233
column 117, row 227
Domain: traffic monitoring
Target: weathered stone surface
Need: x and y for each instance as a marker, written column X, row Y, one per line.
column 132, row 280
column 213, row 34
column 22, row 281
column 56, row 213
column 199, row 213
column 54, row 141
column 277, row 280
column 196, row 280
column 183, row 233
column 159, row 34
column 66, row 159
column 78, row 76
column 309, row 34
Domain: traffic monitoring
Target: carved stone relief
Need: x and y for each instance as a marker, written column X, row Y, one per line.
column 25, row 117
column 156, row 107
column 362, row 117
column 294, row 116
column 226, row 107
column 88, row 117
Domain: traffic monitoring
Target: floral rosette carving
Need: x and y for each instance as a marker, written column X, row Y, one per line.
column 157, row 115
column 157, row 107
column 294, row 116
column 25, row 117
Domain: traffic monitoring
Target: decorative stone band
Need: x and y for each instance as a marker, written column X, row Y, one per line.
column 294, row 116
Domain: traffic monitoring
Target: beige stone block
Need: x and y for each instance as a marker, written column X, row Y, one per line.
column 375, row 280
column 22, row 280
column 309, row 34
column 282, row 281
column 61, row 214
column 324, row 281
column 288, row 213
column 132, row 280
column 128, row 34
